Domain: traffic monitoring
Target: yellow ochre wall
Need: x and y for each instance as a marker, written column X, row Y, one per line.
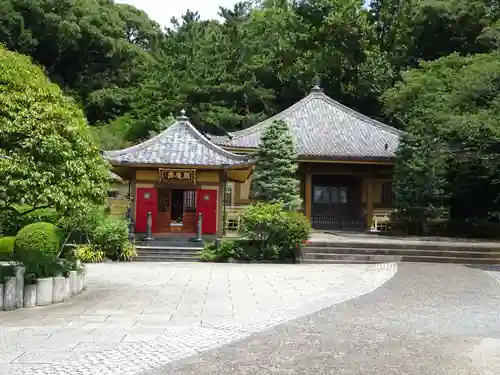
column 377, row 189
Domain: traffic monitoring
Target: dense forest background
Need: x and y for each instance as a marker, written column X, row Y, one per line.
column 129, row 74
column 430, row 67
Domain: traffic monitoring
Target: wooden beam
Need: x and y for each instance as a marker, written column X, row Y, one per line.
column 308, row 195
column 369, row 202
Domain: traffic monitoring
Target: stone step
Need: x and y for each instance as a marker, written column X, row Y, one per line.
column 170, row 248
column 464, row 253
column 326, row 257
column 410, row 245
column 165, row 258
column 170, row 244
column 334, row 261
column 168, row 254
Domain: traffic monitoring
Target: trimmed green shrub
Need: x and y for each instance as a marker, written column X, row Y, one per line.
column 258, row 222
column 6, row 247
column 293, row 234
column 273, row 233
column 11, row 221
column 36, row 241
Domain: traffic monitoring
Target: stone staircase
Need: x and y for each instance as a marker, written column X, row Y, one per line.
column 172, row 249
column 379, row 251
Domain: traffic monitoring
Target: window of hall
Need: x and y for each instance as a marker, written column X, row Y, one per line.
column 339, row 195
column 330, row 195
column 343, row 195
column 321, row 194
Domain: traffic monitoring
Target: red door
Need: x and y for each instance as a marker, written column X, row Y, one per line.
column 146, row 201
column 206, row 204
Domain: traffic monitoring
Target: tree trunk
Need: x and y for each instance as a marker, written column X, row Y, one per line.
column 425, row 227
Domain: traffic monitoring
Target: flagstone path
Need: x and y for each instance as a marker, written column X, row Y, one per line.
column 137, row 317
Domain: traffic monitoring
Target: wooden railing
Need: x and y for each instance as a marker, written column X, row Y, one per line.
column 383, row 219
column 233, row 217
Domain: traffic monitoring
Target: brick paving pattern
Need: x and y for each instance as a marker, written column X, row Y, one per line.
column 138, row 317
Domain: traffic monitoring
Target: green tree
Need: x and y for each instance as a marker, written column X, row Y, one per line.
column 52, row 161
column 457, row 99
column 419, row 181
column 94, row 49
column 275, row 175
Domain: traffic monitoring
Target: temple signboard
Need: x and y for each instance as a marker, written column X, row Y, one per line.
column 178, row 176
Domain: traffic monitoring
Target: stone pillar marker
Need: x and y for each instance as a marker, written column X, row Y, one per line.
column 9, row 293
column 29, row 298
column 44, row 288
column 19, row 288
column 58, row 285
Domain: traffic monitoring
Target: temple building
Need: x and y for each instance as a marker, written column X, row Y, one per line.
column 175, row 176
column 346, row 161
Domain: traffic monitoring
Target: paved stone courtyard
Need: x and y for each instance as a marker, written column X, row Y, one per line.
column 138, row 316
column 429, row 319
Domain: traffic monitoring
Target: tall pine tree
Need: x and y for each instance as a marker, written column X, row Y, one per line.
column 275, row 175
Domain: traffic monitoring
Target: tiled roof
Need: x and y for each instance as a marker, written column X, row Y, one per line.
column 322, row 127
column 179, row 144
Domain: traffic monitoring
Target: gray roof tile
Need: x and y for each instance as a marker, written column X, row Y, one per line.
column 179, row 144
column 322, row 127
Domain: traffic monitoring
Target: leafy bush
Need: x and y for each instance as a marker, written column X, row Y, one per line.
column 273, row 232
column 6, row 247
column 42, row 265
column 105, row 232
column 82, row 224
column 227, row 249
column 90, row 254
column 111, row 236
column 208, row 254
column 11, row 221
column 6, row 271
column 37, row 241
column 68, row 265
column 258, row 222
column 128, row 252
column 293, row 234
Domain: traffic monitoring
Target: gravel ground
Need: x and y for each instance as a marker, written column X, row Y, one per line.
column 428, row 319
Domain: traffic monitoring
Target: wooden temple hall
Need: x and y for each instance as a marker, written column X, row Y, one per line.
column 346, row 162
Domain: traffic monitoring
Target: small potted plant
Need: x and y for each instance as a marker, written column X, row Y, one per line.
column 176, row 226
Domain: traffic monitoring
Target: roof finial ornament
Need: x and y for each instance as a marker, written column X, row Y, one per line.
column 182, row 117
column 317, row 83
